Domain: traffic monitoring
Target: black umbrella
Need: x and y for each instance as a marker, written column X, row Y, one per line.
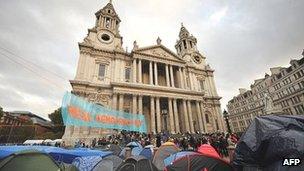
column 270, row 139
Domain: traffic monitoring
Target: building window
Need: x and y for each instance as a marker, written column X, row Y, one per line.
column 207, row 118
column 202, row 84
column 185, row 45
column 127, row 74
column 107, row 22
column 102, row 71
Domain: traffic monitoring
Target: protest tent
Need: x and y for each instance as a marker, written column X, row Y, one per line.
column 164, row 151
column 109, row 163
column 268, row 140
column 169, row 160
column 136, row 148
column 58, row 154
column 33, row 142
column 147, row 152
column 86, row 163
column 28, row 160
column 199, row 162
column 134, row 144
column 114, row 148
column 208, row 150
column 137, row 163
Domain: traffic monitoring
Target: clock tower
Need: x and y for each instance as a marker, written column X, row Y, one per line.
column 187, row 49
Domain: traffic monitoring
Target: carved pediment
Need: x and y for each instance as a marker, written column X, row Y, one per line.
column 159, row 51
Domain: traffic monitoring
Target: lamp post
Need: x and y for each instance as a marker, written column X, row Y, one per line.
column 226, row 115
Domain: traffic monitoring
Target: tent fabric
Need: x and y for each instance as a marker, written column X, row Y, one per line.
column 136, row 148
column 208, row 150
column 86, row 163
column 28, row 161
column 58, row 154
column 109, row 163
column 162, row 153
column 134, row 151
column 134, row 144
column 199, row 162
column 147, row 152
column 115, row 149
column 168, row 143
column 269, row 139
column 137, row 163
column 169, row 160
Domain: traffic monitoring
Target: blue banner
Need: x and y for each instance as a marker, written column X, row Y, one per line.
column 77, row 111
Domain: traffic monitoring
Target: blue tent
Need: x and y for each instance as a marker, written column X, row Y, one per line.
column 58, row 154
column 136, row 148
column 169, row 160
column 147, row 152
column 86, row 163
column 134, row 144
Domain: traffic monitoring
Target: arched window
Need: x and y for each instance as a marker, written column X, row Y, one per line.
column 207, row 118
column 185, row 45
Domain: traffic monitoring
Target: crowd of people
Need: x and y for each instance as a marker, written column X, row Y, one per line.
column 186, row 141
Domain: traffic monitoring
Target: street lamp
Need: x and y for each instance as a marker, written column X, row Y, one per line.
column 226, row 115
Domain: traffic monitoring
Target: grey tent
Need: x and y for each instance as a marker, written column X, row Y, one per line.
column 109, row 163
column 268, row 140
column 29, row 161
column 115, row 149
column 137, row 163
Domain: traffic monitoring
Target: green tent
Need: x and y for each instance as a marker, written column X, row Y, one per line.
column 29, row 161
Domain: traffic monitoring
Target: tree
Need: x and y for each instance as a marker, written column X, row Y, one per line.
column 56, row 119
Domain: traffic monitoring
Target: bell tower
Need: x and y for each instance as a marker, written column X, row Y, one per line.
column 107, row 19
column 186, row 48
column 107, row 28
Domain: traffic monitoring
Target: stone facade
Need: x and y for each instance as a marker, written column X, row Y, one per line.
column 285, row 88
column 174, row 91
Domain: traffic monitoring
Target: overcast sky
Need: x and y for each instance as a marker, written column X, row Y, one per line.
column 241, row 39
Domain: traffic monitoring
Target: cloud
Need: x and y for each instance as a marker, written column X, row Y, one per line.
column 217, row 16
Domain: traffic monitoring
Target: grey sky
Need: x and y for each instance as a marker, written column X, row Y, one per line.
column 241, row 39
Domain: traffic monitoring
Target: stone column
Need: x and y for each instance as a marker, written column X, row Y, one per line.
column 171, row 116
column 185, row 78
column 182, row 84
column 121, row 102
column 172, row 76
column 176, row 117
column 186, row 116
column 167, row 76
column 140, row 104
column 158, row 115
column 203, row 117
column 191, row 81
column 190, row 116
column 114, row 103
column 150, row 73
column 152, row 109
column 134, row 71
column 199, row 116
column 155, row 74
column 139, row 71
column 134, row 104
